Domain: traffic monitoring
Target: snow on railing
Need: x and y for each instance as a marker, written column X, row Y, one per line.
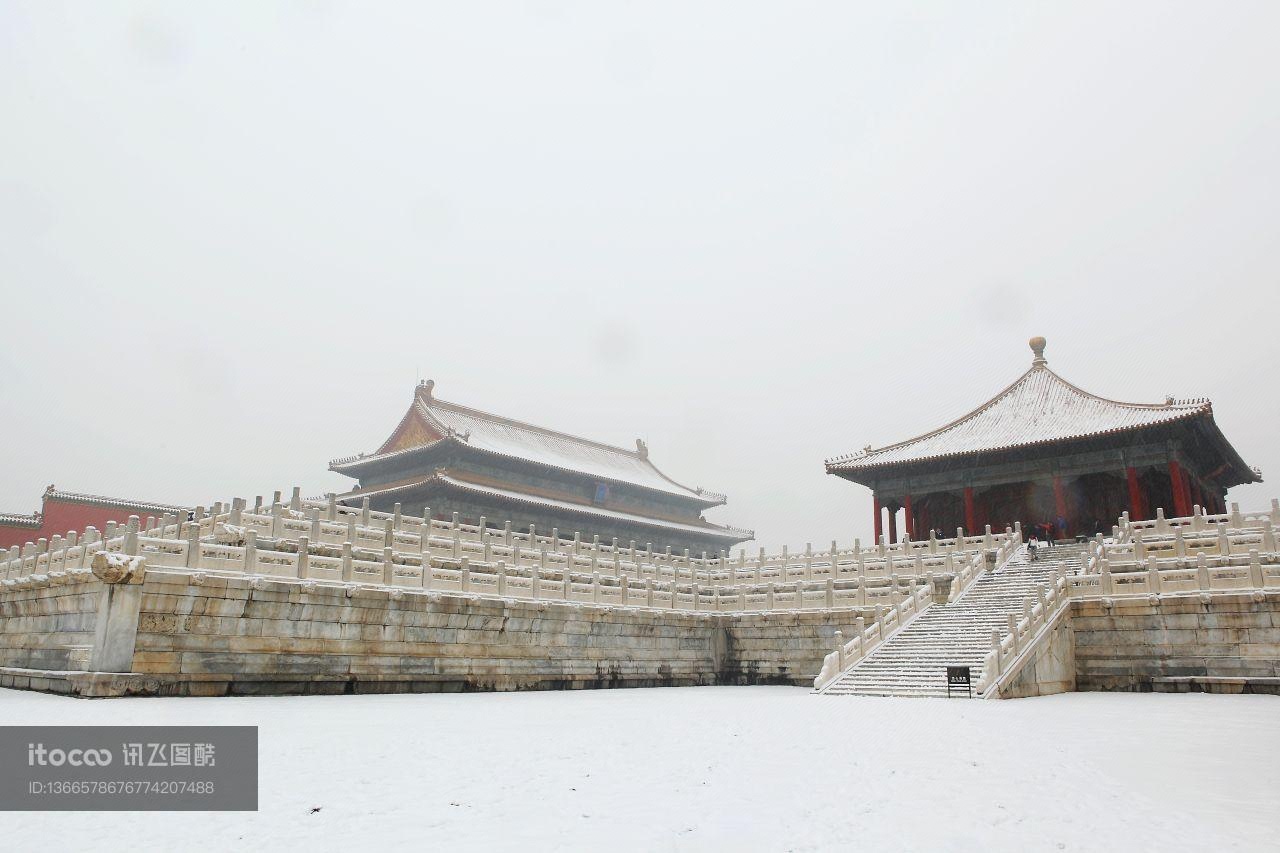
column 1038, row 613
column 331, row 523
column 1160, row 526
column 239, row 550
column 867, row 638
column 1192, row 554
column 324, row 541
column 1186, row 538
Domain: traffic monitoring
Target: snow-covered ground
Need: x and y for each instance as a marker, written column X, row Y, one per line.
column 716, row 768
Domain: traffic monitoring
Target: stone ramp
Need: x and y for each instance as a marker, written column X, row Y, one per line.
column 913, row 661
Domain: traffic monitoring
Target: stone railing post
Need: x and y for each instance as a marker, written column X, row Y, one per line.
column 193, row 545
column 388, row 568
column 250, row 552
column 464, row 575
column 348, row 570
column 130, row 545
column 1255, row 569
column 119, row 603
column 304, row 556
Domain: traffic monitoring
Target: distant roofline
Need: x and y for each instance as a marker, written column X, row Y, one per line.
column 706, row 527
column 118, row 503
column 1177, row 409
column 423, row 400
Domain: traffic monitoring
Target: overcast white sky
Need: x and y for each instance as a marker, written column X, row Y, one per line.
column 234, row 235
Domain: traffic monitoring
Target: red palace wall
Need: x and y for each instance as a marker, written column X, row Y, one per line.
column 12, row 534
column 62, row 515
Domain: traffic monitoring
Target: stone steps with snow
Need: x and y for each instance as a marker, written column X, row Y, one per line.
column 913, row 661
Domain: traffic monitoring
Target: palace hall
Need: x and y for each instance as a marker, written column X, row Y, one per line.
column 443, row 458
column 1044, row 451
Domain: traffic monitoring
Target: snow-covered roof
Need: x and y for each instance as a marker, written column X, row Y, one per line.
column 14, row 519
column 1040, row 407
column 118, row 503
column 705, row 528
column 440, row 420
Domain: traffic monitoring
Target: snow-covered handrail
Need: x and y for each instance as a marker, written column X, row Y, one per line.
column 1241, row 573
column 479, row 567
column 327, row 522
column 866, row 638
column 1038, row 613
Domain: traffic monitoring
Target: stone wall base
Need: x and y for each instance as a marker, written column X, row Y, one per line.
column 1269, row 686
column 96, row 685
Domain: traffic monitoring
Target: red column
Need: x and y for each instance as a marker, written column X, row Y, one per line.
column 1136, row 510
column 1178, row 483
column 875, row 502
column 908, row 520
column 970, row 517
column 893, row 526
column 1060, row 502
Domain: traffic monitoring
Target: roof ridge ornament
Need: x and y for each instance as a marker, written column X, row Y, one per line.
column 642, row 449
column 425, row 387
column 1037, row 348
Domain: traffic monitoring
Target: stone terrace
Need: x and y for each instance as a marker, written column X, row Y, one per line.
column 314, row 597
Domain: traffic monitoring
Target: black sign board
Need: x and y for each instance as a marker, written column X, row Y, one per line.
column 958, row 676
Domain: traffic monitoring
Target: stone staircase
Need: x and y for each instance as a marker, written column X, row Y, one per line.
column 913, row 661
